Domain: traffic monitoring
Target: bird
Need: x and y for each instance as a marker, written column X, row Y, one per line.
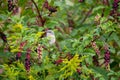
column 51, row 36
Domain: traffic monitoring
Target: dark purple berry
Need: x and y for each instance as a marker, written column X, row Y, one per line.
column 18, row 55
column 10, row 5
column 115, row 6
column 81, row 1
column 3, row 37
column 95, row 61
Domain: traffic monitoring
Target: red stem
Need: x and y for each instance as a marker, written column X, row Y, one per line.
column 39, row 15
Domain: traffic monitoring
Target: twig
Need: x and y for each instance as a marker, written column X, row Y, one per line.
column 109, row 36
column 39, row 15
column 88, row 13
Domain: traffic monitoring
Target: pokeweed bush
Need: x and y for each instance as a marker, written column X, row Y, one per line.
column 87, row 38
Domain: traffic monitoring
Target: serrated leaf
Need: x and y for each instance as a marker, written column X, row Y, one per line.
column 101, row 71
column 49, row 77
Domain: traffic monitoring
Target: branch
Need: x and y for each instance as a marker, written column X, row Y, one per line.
column 86, row 16
column 39, row 15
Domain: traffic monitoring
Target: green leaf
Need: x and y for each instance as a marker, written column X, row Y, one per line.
column 49, row 77
column 101, row 71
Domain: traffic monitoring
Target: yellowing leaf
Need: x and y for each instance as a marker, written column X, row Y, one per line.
column 39, row 34
column 14, row 50
column 12, row 37
column 18, row 26
column 71, row 65
column 31, row 77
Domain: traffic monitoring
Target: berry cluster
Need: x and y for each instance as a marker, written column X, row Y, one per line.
column 18, row 55
column 115, row 6
column 27, row 60
column 81, row 1
column 39, row 51
column 107, row 57
column 16, row 10
column 95, row 48
column 10, row 5
column 22, row 44
column 95, row 60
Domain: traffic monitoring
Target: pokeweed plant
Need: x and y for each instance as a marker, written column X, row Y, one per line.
column 87, row 39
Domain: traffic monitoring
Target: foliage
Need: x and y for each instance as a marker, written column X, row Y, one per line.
column 87, row 38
